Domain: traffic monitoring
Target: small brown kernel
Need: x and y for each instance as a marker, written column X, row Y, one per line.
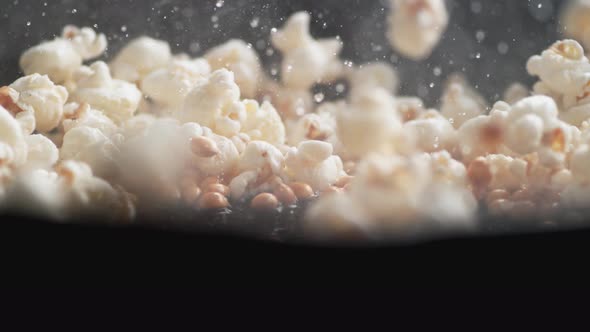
column 218, row 188
column 285, row 194
column 343, row 181
column 204, row 147
column 213, row 200
column 265, row 201
column 302, row 190
column 190, row 194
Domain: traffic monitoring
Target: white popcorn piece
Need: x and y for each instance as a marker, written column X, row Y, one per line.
column 215, row 103
column 263, row 123
column 241, row 59
column 290, row 103
column 139, row 58
column 41, row 152
column 320, row 126
column 374, row 75
column 580, row 160
column 576, row 115
column 170, row 85
column 458, row 106
column 433, row 132
column 85, row 41
column 118, row 99
column 82, row 115
column 306, row 61
column 484, row 134
column 39, row 94
column 409, row 108
column 416, row 26
column 91, row 146
column 312, row 162
column 507, row 172
column 563, row 69
column 369, row 124
column 222, row 164
column 445, row 169
column 257, row 164
column 12, row 138
column 57, row 59
column 574, row 20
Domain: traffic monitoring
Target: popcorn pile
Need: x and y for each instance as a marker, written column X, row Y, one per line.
column 152, row 128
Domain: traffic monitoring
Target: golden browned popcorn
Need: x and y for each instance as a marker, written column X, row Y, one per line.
column 306, row 61
column 259, row 162
column 416, row 26
column 118, row 99
column 170, row 85
column 139, row 58
column 433, row 132
column 312, row 162
column 575, row 21
column 241, row 59
column 39, row 94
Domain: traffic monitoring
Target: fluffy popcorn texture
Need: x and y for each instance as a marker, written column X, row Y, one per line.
column 241, row 59
column 12, row 138
column 57, row 58
column 319, row 126
column 312, row 162
column 40, row 94
column 118, row 99
column 258, row 162
column 515, row 92
column 92, row 146
column 139, row 58
column 433, row 132
column 222, row 164
column 41, row 152
column 215, row 103
column 262, row 122
column 306, row 61
column 416, row 26
column 171, row 84
column 290, row 103
column 458, row 106
column 82, row 115
column 85, row 41
column 575, row 20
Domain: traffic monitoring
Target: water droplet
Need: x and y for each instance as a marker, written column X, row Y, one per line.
column 480, row 35
column 340, row 88
column 28, row 24
column 437, row 71
column 254, row 23
column 219, row 3
column 214, row 18
column 503, row 48
column 124, row 28
column 318, row 97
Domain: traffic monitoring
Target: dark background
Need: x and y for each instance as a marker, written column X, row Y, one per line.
column 194, row 26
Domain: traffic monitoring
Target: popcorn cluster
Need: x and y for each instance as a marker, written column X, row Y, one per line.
column 152, row 128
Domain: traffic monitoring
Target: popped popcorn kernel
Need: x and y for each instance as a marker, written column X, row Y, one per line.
column 139, row 58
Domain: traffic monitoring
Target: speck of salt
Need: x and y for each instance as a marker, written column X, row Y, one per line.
column 254, row 23
column 318, row 97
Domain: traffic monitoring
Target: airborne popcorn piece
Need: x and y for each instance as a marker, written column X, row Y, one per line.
column 306, row 60
column 458, row 106
column 241, row 59
column 575, row 20
column 416, row 26
column 374, row 75
column 139, row 58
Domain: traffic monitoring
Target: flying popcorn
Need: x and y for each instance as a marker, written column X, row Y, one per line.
column 139, row 58
column 458, row 106
column 241, row 59
column 574, row 20
column 374, row 75
column 416, row 26
column 306, row 61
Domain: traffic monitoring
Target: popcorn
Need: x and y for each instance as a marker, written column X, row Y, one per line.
column 374, row 75
column 170, row 85
column 85, row 41
column 574, row 19
column 312, row 162
column 306, row 61
column 118, row 99
column 433, row 132
column 82, row 115
column 91, row 146
column 290, row 103
column 257, row 164
column 241, row 59
column 263, row 123
column 458, row 106
column 41, row 152
column 139, row 58
column 14, row 148
column 41, row 96
column 515, row 92
column 409, row 108
column 320, row 126
column 416, row 26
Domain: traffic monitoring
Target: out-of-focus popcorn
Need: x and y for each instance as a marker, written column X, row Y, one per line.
column 369, row 124
column 312, row 162
column 575, row 21
column 416, row 26
column 259, row 162
column 82, row 115
column 61, row 57
column 433, row 132
column 374, row 75
column 14, row 148
column 41, row 152
column 39, row 94
column 222, row 164
column 92, row 146
column 318, row 126
column 290, row 103
column 515, row 92
column 306, row 61
column 241, row 59
column 171, row 84
column 139, row 58
column 118, row 99
column 458, row 106
column 263, row 123
column 409, row 108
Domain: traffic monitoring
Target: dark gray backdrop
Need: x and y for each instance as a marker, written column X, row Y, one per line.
column 522, row 27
